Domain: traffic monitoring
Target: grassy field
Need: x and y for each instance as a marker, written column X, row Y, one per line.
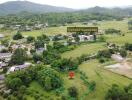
column 120, row 39
column 84, row 49
column 93, row 69
column 122, row 25
column 95, row 72
column 103, row 78
column 47, row 31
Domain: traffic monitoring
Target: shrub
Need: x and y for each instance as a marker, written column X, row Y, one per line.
column 73, row 92
column 17, row 36
column 30, row 39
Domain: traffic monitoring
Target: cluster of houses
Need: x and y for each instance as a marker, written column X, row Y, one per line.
column 82, row 38
column 5, row 57
column 25, row 27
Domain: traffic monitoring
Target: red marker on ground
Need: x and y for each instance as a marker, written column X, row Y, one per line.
column 71, row 75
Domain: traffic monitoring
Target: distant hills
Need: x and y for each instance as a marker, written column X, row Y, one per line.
column 14, row 7
column 119, row 11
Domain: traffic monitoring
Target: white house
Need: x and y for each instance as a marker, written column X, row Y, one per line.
column 2, row 36
column 86, row 38
column 5, row 55
column 2, row 47
column 18, row 67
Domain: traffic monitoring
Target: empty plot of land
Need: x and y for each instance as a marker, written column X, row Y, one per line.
column 124, row 68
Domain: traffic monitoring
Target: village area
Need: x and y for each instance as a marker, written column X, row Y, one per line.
column 37, row 61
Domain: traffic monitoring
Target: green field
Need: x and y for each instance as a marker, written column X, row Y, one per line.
column 122, row 25
column 104, row 79
column 84, row 49
column 93, row 69
column 95, row 72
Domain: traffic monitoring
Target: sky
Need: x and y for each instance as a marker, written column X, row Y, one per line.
column 80, row 4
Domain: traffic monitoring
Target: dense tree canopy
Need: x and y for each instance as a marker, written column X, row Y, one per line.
column 19, row 57
column 49, row 78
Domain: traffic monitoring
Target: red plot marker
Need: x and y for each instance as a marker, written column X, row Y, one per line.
column 71, row 75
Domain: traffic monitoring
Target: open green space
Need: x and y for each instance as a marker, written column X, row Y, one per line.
column 95, row 72
column 84, row 49
column 103, row 78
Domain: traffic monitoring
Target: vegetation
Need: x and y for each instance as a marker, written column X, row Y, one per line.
column 17, row 36
column 116, row 93
column 30, row 39
column 49, row 78
column 19, row 57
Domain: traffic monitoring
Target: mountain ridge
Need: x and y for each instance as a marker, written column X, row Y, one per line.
column 13, row 7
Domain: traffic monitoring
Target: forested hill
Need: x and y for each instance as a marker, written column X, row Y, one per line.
column 119, row 11
column 14, row 7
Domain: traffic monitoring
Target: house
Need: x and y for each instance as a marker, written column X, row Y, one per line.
column 27, row 28
column 2, row 65
column 5, row 56
column 39, row 50
column 18, row 67
column 2, row 47
column 86, row 38
column 16, row 27
column 2, row 77
column 38, row 26
column 2, row 26
column 2, row 36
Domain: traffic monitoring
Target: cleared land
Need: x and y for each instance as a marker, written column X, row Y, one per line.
column 124, row 68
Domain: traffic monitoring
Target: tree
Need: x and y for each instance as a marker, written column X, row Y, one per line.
column 39, row 44
column 50, row 56
column 14, row 83
column 17, row 36
column 114, row 93
column 73, row 92
column 49, row 78
column 30, row 39
column 104, row 53
column 123, row 53
column 65, row 64
column 43, row 38
column 37, row 57
column 128, row 46
column 19, row 57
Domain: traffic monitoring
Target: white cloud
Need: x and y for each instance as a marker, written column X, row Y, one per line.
column 82, row 3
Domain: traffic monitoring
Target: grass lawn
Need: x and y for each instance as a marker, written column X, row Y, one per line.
column 84, row 49
column 121, row 40
column 103, row 78
column 47, row 31
column 121, row 25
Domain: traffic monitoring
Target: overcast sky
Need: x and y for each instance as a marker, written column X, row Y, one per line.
column 81, row 3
